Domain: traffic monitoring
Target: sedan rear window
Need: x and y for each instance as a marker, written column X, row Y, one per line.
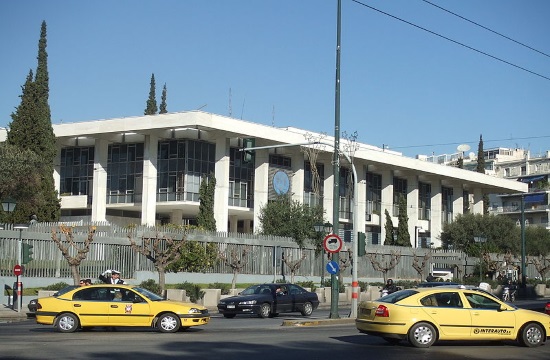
column 398, row 296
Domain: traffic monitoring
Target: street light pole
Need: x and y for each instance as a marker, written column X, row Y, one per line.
column 523, row 277
column 334, row 291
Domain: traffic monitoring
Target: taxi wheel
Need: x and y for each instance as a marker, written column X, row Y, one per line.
column 422, row 335
column 265, row 310
column 168, row 323
column 307, row 309
column 531, row 335
column 67, row 323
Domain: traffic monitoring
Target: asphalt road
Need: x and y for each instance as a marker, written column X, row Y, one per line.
column 240, row 338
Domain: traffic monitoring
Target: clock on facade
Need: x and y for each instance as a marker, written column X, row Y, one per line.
column 281, row 182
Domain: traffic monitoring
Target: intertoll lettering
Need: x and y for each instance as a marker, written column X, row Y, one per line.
column 492, row 331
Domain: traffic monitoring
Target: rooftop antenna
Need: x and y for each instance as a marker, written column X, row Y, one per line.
column 273, row 116
column 242, row 110
column 462, row 148
column 230, row 107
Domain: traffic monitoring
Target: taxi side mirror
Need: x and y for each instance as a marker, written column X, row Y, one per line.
column 502, row 308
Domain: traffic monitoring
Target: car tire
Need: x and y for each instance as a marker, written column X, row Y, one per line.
column 307, row 309
column 67, row 323
column 168, row 323
column 265, row 310
column 229, row 316
column 531, row 335
column 392, row 341
column 422, row 335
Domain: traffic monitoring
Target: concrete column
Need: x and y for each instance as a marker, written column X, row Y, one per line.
column 328, row 186
column 57, row 170
column 386, row 201
column 221, row 193
column 458, row 200
column 478, row 201
column 361, row 198
column 99, row 190
column 297, row 181
column 149, row 197
column 261, row 185
column 176, row 217
column 436, row 222
column 412, row 205
column 233, row 223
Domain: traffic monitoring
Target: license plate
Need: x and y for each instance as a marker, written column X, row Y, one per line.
column 230, row 306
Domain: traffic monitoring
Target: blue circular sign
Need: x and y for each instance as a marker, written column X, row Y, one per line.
column 281, row 182
column 332, row 267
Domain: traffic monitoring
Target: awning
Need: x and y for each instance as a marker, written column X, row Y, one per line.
column 534, row 198
column 529, row 179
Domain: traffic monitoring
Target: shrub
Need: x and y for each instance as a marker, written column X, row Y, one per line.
column 192, row 290
column 57, row 286
column 307, row 284
column 151, row 285
column 224, row 287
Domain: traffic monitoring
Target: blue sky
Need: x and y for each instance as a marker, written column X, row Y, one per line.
column 401, row 87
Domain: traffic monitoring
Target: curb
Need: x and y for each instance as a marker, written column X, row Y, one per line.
column 318, row 322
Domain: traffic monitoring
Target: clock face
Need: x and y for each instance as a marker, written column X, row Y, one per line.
column 281, row 182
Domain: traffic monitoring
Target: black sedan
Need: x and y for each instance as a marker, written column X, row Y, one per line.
column 267, row 300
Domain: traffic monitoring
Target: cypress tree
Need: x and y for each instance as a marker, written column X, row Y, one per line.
column 388, row 226
column 481, row 169
column 206, row 219
column 163, row 101
column 403, row 236
column 151, row 108
column 31, row 129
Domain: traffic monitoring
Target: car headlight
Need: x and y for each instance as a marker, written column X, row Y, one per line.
column 249, row 302
column 194, row 311
column 222, row 303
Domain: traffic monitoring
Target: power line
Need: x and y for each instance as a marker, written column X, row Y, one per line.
column 451, row 40
column 486, row 28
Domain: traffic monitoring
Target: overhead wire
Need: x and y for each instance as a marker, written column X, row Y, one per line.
column 486, row 28
column 452, row 40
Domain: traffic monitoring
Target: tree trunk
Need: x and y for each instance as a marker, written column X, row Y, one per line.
column 234, row 281
column 76, row 275
column 162, row 279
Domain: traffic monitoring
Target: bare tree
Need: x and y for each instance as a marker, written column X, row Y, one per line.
column 419, row 267
column 73, row 252
column 312, row 152
column 542, row 264
column 294, row 265
column 386, row 263
column 236, row 261
column 162, row 251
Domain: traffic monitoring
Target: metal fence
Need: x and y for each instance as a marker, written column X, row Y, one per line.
column 111, row 249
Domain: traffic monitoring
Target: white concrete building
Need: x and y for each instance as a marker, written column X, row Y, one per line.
column 147, row 170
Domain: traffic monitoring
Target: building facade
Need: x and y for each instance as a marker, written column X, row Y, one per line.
column 517, row 165
column 148, row 169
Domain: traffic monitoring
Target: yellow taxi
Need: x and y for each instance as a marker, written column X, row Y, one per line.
column 424, row 315
column 117, row 305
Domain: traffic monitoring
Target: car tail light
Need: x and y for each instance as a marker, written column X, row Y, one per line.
column 382, row 311
column 547, row 308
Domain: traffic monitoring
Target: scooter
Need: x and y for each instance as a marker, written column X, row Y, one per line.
column 508, row 295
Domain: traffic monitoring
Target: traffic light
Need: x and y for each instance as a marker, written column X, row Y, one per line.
column 27, row 253
column 361, row 243
column 249, row 154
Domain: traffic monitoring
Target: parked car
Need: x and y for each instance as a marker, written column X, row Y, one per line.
column 424, row 315
column 117, row 305
column 547, row 308
column 267, row 300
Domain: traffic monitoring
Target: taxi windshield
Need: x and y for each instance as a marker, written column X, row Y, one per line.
column 397, row 296
column 149, row 295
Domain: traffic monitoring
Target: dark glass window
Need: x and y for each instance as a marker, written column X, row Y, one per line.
column 124, row 173
column 77, row 170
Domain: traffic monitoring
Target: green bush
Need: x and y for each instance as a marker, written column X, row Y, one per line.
column 224, row 287
column 192, row 290
column 57, row 286
column 151, row 285
column 307, row 284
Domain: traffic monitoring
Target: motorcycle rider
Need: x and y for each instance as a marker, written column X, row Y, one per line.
column 509, row 290
column 389, row 287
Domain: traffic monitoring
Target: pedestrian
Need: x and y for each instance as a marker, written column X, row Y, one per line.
column 111, row 277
